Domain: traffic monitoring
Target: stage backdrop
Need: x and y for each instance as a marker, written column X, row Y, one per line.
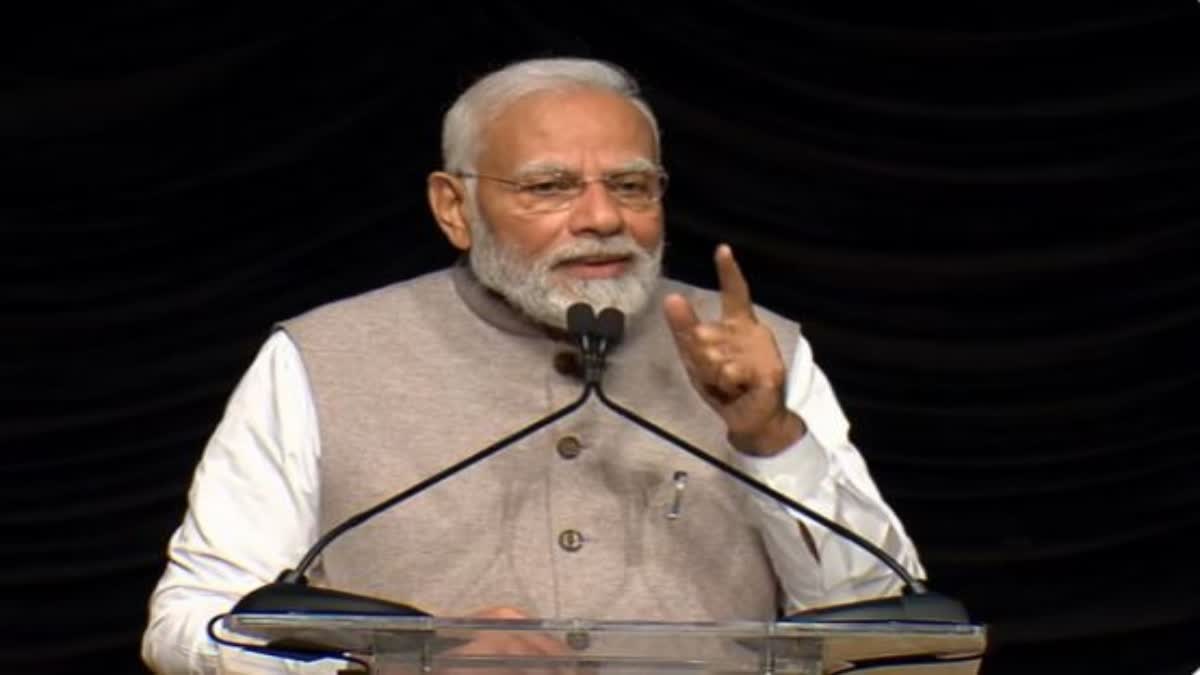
column 986, row 221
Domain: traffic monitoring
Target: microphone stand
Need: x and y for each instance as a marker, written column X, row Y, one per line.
column 909, row 581
column 917, row 603
column 291, row 592
column 594, row 335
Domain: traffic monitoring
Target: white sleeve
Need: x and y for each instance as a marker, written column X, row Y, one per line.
column 825, row 472
column 252, row 513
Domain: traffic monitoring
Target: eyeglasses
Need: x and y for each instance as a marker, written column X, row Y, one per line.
column 557, row 190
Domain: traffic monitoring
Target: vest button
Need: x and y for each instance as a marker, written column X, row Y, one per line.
column 567, row 363
column 570, row 540
column 569, row 447
column 578, row 640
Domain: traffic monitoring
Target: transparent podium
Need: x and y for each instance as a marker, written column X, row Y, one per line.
column 418, row 644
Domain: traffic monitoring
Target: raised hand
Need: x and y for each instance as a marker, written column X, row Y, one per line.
column 735, row 365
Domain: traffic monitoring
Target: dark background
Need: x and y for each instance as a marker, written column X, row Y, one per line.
column 986, row 221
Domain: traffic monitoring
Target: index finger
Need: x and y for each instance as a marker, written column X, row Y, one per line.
column 735, row 292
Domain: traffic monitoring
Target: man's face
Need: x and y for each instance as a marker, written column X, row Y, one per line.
column 597, row 248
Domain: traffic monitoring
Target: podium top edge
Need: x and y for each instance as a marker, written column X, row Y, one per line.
column 790, row 628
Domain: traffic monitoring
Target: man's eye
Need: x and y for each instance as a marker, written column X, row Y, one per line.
column 630, row 184
column 549, row 186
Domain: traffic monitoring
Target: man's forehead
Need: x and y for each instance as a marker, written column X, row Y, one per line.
column 564, row 130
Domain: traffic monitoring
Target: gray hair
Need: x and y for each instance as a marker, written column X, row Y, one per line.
column 483, row 101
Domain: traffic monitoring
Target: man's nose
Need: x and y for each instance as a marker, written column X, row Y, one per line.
column 596, row 212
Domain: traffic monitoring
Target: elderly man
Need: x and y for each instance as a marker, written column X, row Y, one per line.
column 552, row 187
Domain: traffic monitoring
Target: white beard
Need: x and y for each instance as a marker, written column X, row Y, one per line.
column 531, row 285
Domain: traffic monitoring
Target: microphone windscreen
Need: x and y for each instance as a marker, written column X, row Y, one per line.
column 581, row 319
column 611, row 324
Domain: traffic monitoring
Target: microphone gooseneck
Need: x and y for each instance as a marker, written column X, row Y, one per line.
column 917, row 604
column 597, row 333
column 910, row 582
column 290, row 593
column 297, row 575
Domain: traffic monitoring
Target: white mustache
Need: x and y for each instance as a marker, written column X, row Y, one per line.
column 621, row 247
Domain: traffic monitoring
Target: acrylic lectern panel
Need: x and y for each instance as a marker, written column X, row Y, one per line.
column 413, row 645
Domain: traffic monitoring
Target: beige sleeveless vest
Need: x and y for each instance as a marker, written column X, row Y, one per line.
column 574, row 520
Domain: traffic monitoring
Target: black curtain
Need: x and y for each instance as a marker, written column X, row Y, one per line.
column 986, row 221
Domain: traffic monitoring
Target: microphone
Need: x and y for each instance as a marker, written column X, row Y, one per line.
column 917, row 603
column 610, row 324
column 595, row 335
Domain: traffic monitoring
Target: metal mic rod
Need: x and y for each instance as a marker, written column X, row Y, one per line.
column 609, row 325
column 581, row 324
column 297, row 575
column 910, row 582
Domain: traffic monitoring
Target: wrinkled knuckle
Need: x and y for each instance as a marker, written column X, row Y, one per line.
column 713, row 354
column 734, row 376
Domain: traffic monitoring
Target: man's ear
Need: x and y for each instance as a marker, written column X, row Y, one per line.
column 448, row 201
